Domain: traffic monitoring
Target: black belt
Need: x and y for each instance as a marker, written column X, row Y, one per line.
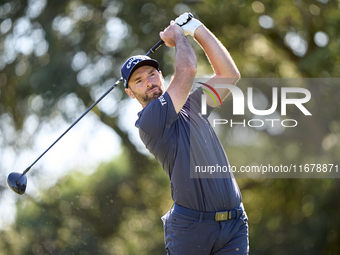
column 217, row 216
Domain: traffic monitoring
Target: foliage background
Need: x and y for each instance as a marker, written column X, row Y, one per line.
column 55, row 51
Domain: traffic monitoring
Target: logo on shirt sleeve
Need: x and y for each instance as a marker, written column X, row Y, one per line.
column 162, row 100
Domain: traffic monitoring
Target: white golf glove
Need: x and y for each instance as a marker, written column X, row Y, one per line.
column 190, row 27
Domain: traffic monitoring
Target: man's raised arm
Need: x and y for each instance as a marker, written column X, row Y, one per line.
column 220, row 59
column 185, row 64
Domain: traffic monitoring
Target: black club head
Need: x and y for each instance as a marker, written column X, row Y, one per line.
column 17, row 182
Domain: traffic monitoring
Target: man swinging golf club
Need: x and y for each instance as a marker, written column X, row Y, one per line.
column 207, row 216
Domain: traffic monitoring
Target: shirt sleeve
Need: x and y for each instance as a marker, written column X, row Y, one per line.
column 157, row 117
column 195, row 103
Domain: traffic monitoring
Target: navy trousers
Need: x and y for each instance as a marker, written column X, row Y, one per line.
column 185, row 235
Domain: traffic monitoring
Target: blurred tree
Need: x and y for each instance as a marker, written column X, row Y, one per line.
column 50, row 50
column 104, row 213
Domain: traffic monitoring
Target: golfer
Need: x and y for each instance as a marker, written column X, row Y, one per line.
column 207, row 216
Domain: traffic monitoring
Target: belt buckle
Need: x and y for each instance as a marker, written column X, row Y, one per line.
column 222, row 216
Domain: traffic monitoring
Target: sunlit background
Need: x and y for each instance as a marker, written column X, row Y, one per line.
column 98, row 191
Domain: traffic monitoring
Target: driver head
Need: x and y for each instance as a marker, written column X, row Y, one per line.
column 17, row 182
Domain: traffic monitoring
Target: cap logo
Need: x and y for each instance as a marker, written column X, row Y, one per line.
column 133, row 61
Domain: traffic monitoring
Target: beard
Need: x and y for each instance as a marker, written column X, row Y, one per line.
column 146, row 97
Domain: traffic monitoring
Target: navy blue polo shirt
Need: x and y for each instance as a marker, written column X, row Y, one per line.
column 182, row 141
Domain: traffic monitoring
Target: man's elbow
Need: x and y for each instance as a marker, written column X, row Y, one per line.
column 237, row 75
column 234, row 73
column 189, row 70
column 192, row 70
column 232, row 77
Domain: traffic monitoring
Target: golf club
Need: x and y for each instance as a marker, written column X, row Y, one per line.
column 18, row 181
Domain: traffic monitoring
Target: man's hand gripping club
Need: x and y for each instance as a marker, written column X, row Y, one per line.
column 185, row 64
column 172, row 34
column 188, row 23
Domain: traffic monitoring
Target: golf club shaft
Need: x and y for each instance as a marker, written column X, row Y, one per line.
column 161, row 42
column 74, row 123
column 152, row 50
column 155, row 47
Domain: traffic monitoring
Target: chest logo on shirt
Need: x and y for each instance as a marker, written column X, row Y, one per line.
column 162, row 100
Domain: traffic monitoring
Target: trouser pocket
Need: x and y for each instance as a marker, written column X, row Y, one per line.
column 182, row 222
